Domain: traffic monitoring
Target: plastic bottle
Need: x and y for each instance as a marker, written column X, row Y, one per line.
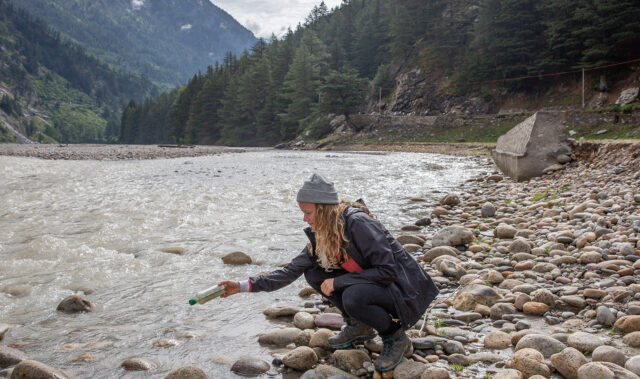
column 206, row 295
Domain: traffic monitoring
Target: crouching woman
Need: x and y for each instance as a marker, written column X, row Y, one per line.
column 360, row 267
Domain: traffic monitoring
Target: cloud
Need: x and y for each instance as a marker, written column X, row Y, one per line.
column 185, row 27
column 137, row 4
column 266, row 17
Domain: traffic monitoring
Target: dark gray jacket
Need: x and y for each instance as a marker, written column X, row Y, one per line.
column 384, row 261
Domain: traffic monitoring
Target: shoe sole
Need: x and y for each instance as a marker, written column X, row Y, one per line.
column 351, row 341
column 407, row 353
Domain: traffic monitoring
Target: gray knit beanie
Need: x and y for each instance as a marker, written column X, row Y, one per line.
column 317, row 190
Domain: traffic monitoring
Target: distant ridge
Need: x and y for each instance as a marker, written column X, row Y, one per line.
column 166, row 40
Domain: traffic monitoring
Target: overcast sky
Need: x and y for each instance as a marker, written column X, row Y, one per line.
column 264, row 17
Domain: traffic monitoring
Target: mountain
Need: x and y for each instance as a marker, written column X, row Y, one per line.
column 52, row 90
column 165, row 40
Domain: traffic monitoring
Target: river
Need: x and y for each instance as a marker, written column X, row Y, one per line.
column 98, row 227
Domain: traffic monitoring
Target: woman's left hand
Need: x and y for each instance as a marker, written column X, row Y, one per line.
column 327, row 287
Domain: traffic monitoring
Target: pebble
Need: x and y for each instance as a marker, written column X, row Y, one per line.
column 250, row 366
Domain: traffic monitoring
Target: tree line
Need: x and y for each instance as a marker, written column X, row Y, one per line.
column 339, row 59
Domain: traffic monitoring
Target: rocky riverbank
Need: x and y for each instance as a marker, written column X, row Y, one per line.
column 538, row 279
column 110, row 152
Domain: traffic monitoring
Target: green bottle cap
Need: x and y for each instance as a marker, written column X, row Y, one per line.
column 192, row 301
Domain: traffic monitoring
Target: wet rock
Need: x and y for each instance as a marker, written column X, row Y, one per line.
column 250, row 366
column 329, row 320
column 10, row 356
column 504, row 231
column 470, row 296
column 546, row 345
column 273, row 312
column 29, row 369
column 17, row 290
column 488, row 210
column 425, row 221
column 301, row 358
column 173, row 250
column 594, row 293
column 307, row 292
column 529, row 362
column 434, row 373
column 166, row 343
column 439, row 251
column 458, row 359
column 451, row 199
column 520, row 245
column 452, row 236
column 321, row 338
column 187, row 372
column 411, row 248
column 632, row 339
column 605, row 316
column 410, row 239
column 508, row 373
column 568, row 361
column 350, row 359
column 453, row 347
column 633, row 365
column 497, row 340
column 75, row 304
column 628, row 324
column 4, row 328
column 574, row 301
column 281, row 337
column 409, row 370
column 439, row 211
column 451, row 269
column 138, row 364
column 609, row 354
column 303, row 320
column 501, row 309
column 237, row 258
column 534, row 308
column 602, row 370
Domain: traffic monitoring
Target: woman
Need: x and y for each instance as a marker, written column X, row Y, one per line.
column 360, row 267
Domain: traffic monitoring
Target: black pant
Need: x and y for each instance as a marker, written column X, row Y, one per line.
column 369, row 303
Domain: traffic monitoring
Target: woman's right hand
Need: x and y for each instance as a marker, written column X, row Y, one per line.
column 230, row 287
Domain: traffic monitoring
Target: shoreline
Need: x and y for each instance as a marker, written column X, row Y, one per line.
column 111, row 152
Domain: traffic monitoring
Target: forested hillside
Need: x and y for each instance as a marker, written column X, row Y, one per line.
column 51, row 90
column 340, row 60
column 165, row 40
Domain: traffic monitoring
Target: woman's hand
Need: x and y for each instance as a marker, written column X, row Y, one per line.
column 327, row 287
column 230, row 287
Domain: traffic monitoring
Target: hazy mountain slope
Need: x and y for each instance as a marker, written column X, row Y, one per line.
column 166, row 40
column 51, row 90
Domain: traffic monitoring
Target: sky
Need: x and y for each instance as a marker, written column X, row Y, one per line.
column 266, row 17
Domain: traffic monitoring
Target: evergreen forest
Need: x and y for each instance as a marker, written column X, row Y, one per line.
column 343, row 58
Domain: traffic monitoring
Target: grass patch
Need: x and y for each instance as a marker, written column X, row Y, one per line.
column 6, row 136
column 456, row 366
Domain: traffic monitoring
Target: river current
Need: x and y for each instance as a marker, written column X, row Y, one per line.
column 98, row 227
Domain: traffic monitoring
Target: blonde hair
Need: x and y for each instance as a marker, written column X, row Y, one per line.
column 331, row 243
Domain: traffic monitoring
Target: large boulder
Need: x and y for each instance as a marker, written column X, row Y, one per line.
column 568, row 361
column 628, row 96
column 452, row 236
column 530, row 147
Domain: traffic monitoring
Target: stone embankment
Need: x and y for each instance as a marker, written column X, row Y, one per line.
column 110, row 152
column 538, row 279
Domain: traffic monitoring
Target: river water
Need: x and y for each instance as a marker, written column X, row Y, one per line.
column 98, row 227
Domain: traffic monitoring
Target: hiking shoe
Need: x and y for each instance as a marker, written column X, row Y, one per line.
column 354, row 331
column 394, row 348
